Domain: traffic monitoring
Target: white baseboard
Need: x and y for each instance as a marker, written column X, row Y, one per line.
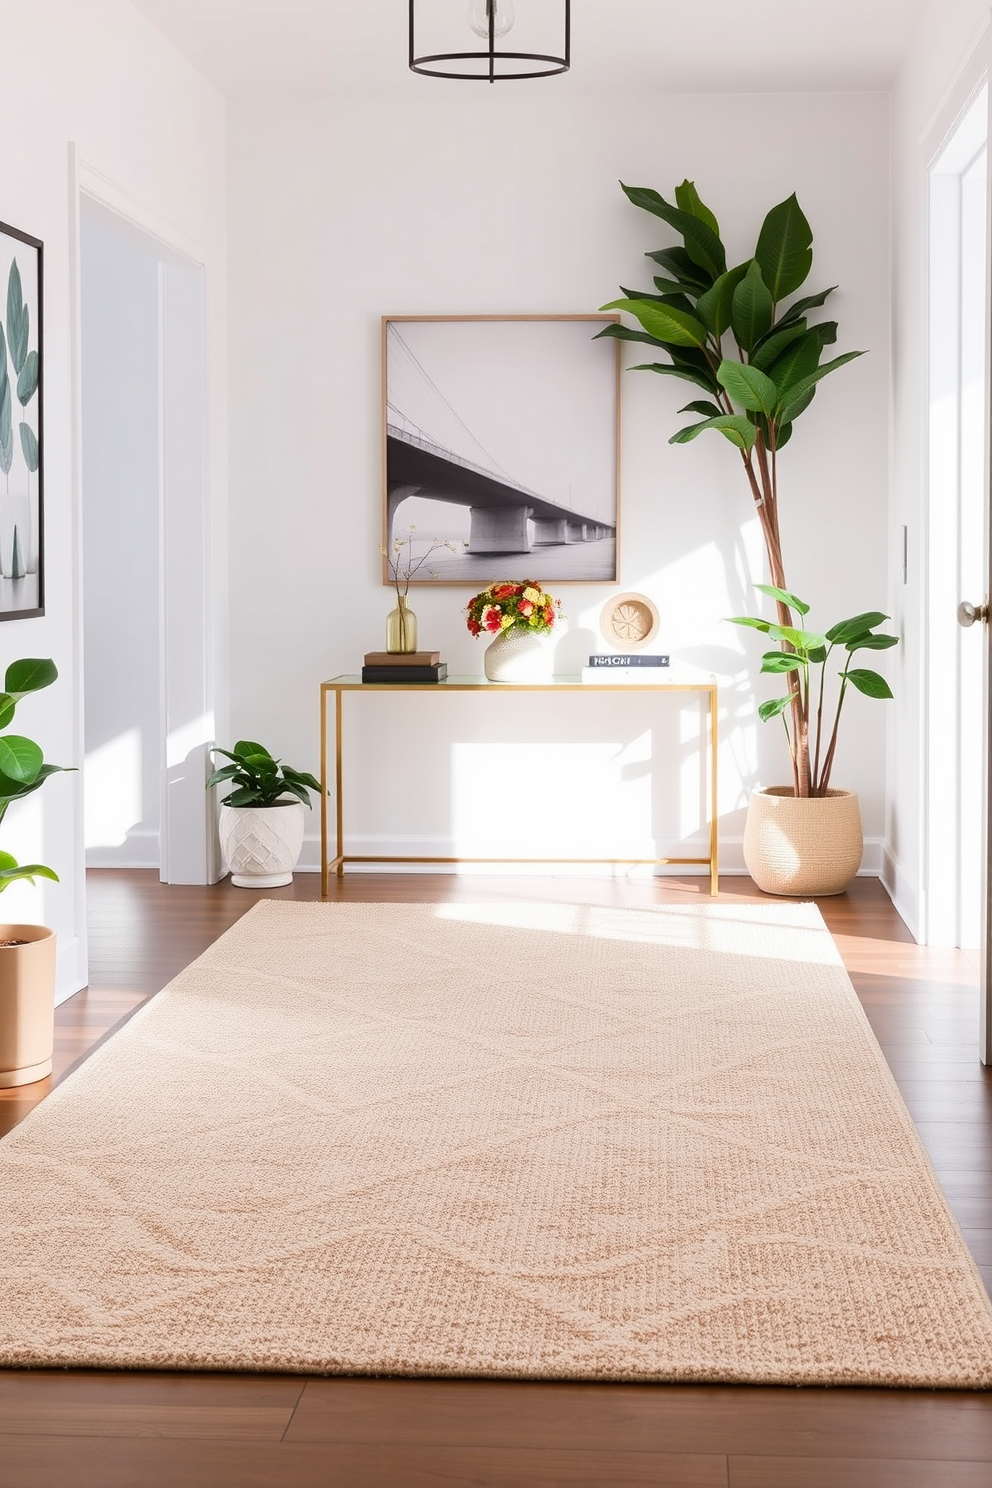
column 904, row 891
column 731, row 860
column 139, row 850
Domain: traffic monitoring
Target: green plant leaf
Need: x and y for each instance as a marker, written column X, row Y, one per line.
column 790, row 397
column 803, row 640
column 15, row 790
column 751, row 308
column 701, row 243
column 664, row 321
column 817, row 655
column 27, row 379
column 785, row 248
column 750, row 620
column 872, row 643
column 246, row 747
column 17, row 319
column 732, row 426
column 686, row 373
column 227, row 773
column 300, row 791
column 792, row 600
column 827, row 332
column 6, row 429
column 781, row 661
column 626, row 333
column 20, row 759
column 680, row 265
column 811, row 302
column 771, row 346
column 7, row 709
column 797, row 360
column 11, row 873
column 846, row 630
column 783, row 435
column 30, row 674
column 870, row 683
column 714, row 306
column 246, row 795
column 29, row 447
column 773, row 709
column 748, row 387
column 687, row 198
column 302, row 777
column 708, row 410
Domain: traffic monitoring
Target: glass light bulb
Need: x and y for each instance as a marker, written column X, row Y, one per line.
column 478, row 17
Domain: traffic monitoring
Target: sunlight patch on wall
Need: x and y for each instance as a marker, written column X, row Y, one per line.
column 112, row 782
column 577, row 800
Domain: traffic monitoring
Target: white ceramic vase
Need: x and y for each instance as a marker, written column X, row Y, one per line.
column 518, row 655
column 802, row 847
column 261, row 844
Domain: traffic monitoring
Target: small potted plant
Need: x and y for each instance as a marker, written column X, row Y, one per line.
column 27, row 952
column 261, row 820
column 518, row 617
column 812, row 845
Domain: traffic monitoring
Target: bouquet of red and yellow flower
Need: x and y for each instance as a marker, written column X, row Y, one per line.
column 505, row 605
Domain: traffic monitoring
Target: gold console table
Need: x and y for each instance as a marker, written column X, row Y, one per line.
column 340, row 685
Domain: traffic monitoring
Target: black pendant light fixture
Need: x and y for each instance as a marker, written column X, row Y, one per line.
column 490, row 20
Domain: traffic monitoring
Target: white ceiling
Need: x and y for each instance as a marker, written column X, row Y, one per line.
column 289, row 46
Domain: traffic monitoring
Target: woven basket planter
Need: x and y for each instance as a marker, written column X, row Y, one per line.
column 802, row 847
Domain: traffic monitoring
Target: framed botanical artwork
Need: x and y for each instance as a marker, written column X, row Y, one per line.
column 501, row 448
column 22, row 555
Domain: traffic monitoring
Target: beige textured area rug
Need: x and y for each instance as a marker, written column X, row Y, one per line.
column 538, row 1141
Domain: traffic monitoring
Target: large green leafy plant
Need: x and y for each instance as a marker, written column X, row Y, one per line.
column 258, row 779
column 738, row 335
column 22, row 765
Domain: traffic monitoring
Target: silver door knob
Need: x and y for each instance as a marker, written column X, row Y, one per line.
column 969, row 613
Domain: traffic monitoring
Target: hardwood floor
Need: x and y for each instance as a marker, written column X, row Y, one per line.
column 81, row 1429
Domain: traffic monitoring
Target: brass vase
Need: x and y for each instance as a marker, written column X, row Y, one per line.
column 401, row 628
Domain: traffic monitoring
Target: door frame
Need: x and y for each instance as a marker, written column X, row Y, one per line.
column 975, row 74
column 189, row 851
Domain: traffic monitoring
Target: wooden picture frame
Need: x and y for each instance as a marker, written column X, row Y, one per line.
column 22, row 445
column 501, row 448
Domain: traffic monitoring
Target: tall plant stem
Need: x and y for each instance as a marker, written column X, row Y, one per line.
column 828, row 762
column 815, row 780
column 763, row 490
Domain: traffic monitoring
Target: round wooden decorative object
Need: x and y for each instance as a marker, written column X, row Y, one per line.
column 629, row 621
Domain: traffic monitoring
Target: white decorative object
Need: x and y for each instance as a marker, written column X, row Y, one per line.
column 261, row 844
column 518, row 655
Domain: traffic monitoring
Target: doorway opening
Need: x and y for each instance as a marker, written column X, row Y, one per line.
column 147, row 717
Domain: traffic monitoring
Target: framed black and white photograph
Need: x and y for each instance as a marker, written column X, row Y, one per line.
column 501, row 447
column 22, row 554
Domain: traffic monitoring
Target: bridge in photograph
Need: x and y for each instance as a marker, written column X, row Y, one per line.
column 506, row 517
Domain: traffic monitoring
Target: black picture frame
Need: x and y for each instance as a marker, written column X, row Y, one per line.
column 22, row 443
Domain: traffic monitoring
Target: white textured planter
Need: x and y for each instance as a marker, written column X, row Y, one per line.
column 27, row 1004
column 799, row 847
column 261, row 844
column 518, row 655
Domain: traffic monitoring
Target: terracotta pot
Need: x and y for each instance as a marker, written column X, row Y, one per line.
column 261, row 844
column 27, row 1004
column 518, row 655
column 802, row 847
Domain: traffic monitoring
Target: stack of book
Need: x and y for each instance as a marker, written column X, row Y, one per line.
column 625, row 666
column 404, row 666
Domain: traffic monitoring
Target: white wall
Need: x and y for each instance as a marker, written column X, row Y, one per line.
column 121, row 357
column 933, row 84
column 467, row 201
column 95, row 73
